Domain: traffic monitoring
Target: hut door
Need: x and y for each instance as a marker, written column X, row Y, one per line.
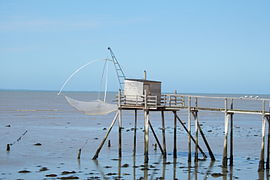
column 147, row 88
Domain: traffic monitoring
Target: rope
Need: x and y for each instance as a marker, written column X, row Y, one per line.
column 20, row 138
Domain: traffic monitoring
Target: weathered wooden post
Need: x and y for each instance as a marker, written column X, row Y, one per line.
column 135, row 131
column 120, row 124
column 226, row 123
column 231, row 135
column 195, row 114
column 163, row 134
column 261, row 162
column 189, row 129
column 268, row 143
column 146, row 128
column 174, row 136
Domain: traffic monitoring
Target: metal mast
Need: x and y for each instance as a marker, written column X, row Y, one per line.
column 120, row 74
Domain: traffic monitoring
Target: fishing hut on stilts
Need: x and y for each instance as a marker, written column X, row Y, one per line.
column 146, row 95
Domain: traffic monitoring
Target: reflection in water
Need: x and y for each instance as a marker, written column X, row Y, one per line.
column 262, row 173
column 134, row 167
column 224, row 172
column 119, row 167
column 100, row 169
column 164, row 168
column 151, row 171
column 174, row 168
column 208, row 172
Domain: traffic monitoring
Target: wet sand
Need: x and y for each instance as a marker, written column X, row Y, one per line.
column 56, row 132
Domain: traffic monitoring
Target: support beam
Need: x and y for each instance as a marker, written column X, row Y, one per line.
column 189, row 129
column 106, row 136
column 146, row 135
column 191, row 137
column 206, row 143
column 156, row 138
column 268, row 143
column 120, row 133
column 163, row 134
column 135, row 131
column 231, row 135
column 195, row 114
column 174, row 137
column 261, row 162
column 225, row 145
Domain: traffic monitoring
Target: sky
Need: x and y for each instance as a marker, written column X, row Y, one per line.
column 209, row 46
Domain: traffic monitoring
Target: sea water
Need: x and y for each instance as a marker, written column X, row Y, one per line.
column 46, row 135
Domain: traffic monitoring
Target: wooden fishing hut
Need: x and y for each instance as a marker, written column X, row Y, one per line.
column 145, row 95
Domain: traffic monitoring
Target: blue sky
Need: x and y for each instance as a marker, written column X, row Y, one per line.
column 191, row 46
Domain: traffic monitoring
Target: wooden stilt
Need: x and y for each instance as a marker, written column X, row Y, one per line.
column 189, row 129
column 268, row 144
column 120, row 133
column 206, row 143
column 135, row 131
column 174, row 137
column 231, row 135
column 195, row 114
column 225, row 146
column 191, row 137
column 261, row 162
column 146, row 135
column 106, row 136
column 155, row 136
column 163, row 134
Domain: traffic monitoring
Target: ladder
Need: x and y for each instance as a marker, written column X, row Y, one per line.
column 119, row 72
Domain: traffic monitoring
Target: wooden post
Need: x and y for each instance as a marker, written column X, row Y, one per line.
column 135, row 131
column 120, row 133
column 261, row 162
column 225, row 159
column 174, row 137
column 146, row 135
column 268, row 143
column 189, row 129
column 106, row 136
column 119, row 125
column 231, row 135
column 163, row 134
column 155, row 136
column 195, row 114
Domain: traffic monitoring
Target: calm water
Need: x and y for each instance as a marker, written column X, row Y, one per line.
column 62, row 131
